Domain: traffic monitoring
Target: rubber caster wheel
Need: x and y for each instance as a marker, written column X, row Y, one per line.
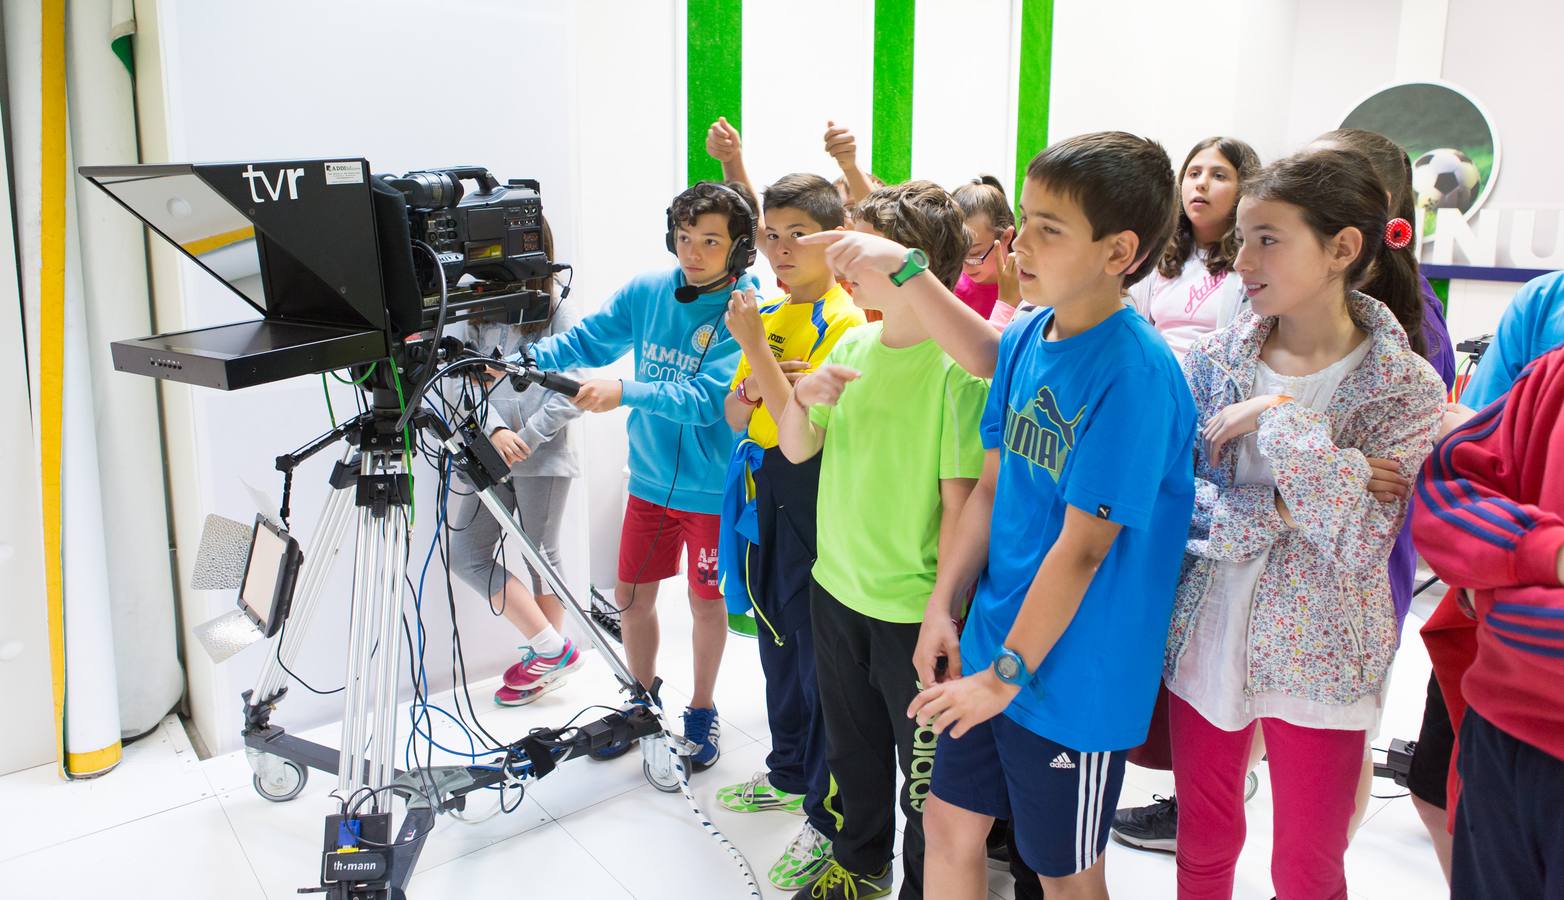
column 284, row 782
column 667, row 786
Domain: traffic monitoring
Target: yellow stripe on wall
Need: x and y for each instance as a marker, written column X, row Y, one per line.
column 218, row 241
column 51, row 347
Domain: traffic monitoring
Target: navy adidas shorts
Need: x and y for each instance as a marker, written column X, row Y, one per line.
column 1060, row 801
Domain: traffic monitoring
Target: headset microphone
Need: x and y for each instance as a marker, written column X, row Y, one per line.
column 686, row 293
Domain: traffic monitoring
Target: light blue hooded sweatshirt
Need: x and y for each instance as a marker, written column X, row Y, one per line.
column 684, row 362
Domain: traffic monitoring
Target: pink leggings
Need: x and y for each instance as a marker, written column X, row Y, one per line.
column 1314, row 779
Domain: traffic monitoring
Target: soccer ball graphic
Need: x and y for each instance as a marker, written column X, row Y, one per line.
column 1445, row 179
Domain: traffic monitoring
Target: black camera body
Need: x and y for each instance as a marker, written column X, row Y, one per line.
column 343, row 266
column 495, row 234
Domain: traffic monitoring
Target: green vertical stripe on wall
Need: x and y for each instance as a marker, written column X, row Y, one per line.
column 1441, row 288
column 1037, row 55
column 714, row 85
column 893, row 35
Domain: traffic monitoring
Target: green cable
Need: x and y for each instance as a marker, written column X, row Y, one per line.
column 407, row 447
column 367, row 372
column 329, row 411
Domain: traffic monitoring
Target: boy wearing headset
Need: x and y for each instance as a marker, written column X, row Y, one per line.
column 685, row 359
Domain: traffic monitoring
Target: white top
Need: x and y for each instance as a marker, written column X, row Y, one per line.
column 1213, row 672
column 1195, row 303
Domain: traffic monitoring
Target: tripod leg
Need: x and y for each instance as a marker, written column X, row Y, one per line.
column 556, row 583
column 324, row 544
column 394, row 549
column 361, row 637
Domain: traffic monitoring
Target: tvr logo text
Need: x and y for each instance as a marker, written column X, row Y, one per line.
column 288, row 178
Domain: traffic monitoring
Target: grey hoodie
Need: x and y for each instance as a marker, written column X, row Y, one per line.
column 540, row 417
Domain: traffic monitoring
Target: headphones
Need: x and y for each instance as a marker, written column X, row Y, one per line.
column 740, row 256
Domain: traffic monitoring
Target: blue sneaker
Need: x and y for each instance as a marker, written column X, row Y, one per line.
column 702, row 729
column 620, row 748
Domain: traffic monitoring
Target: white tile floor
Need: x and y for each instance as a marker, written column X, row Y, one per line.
column 166, row 825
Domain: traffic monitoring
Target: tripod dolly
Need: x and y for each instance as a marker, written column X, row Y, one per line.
column 363, row 859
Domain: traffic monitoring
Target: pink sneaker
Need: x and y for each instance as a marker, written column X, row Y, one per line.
column 534, row 671
column 507, row 697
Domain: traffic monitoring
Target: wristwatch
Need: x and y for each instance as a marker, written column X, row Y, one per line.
column 744, row 394
column 916, row 262
column 1011, row 668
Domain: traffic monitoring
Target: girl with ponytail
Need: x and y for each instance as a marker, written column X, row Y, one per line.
column 1314, row 414
column 1436, row 739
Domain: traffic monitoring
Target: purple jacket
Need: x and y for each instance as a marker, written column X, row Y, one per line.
column 1441, row 355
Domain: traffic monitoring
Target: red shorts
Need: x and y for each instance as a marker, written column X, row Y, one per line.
column 649, row 546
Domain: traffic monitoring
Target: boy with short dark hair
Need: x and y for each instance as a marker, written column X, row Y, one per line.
column 769, row 517
column 1076, row 528
column 679, row 444
column 894, row 421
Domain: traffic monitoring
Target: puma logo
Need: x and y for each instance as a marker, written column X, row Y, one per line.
column 1048, row 405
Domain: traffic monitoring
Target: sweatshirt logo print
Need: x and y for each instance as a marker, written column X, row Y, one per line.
column 660, row 363
column 701, row 339
column 1040, row 434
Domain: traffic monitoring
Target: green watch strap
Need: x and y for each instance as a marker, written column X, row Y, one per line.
column 917, row 261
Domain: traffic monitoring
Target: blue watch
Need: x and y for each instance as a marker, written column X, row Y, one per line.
column 1011, row 668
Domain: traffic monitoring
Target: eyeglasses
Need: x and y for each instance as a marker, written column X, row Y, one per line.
column 979, row 260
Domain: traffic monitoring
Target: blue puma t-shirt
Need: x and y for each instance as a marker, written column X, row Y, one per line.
column 1104, row 422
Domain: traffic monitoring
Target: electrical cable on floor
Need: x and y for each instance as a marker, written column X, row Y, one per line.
column 746, row 871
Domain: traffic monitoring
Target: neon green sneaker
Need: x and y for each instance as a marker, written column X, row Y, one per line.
column 757, row 795
column 804, row 859
column 836, row 883
column 743, row 625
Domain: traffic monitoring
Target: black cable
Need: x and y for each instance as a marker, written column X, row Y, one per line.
column 572, row 720
column 282, row 635
column 458, row 657
column 439, row 319
column 411, row 839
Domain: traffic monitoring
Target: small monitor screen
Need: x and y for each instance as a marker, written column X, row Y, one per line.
column 265, row 571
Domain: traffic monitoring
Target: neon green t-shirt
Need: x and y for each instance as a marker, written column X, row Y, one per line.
column 909, row 422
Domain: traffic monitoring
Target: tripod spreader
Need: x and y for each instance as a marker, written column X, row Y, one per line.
column 362, row 859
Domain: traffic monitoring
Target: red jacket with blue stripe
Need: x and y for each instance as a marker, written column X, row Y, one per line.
column 1490, row 518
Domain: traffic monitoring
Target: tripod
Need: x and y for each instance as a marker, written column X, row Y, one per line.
column 362, row 858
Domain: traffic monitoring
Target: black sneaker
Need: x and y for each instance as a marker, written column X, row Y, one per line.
column 1153, row 827
column 836, row 883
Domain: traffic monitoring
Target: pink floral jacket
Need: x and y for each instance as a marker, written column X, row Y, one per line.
column 1322, row 626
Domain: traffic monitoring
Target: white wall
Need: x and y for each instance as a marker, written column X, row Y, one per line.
column 1333, row 66
column 964, row 98
column 805, row 63
column 627, row 146
column 1176, row 72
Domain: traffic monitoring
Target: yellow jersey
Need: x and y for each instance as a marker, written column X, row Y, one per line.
column 798, row 331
